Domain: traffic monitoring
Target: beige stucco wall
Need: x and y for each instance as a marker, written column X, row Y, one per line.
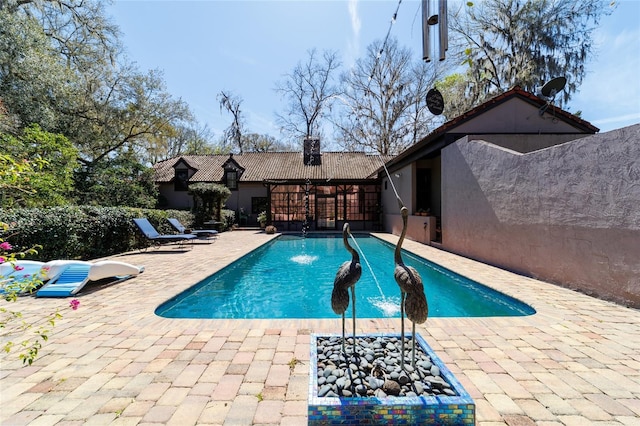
column 419, row 228
column 238, row 199
column 176, row 200
column 242, row 199
column 403, row 181
column 567, row 214
column 507, row 117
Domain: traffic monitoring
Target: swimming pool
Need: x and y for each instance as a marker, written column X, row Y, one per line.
column 292, row 277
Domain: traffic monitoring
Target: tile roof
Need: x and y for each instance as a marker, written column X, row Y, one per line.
column 261, row 166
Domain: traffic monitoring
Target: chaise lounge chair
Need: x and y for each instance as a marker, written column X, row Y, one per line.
column 20, row 276
column 155, row 237
column 68, row 277
column 200, row 233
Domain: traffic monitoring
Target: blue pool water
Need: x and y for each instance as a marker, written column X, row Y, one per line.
column 292, row 277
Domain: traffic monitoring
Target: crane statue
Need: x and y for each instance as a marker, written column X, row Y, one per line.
column 412, row 298
column 347, row 276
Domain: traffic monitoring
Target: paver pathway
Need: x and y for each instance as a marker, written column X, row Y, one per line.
column 114, row 362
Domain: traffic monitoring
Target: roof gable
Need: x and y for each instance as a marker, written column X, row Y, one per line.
column 181, row 163
column 517, row 111
column 512, row 112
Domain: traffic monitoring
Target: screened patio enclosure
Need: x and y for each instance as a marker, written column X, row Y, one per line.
column 327, row 205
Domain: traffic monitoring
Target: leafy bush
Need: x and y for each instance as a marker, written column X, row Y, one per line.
column 209, row 199
column 83, row 232
column 228, row 219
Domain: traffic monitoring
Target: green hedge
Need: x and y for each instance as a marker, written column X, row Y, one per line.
column 83, row 232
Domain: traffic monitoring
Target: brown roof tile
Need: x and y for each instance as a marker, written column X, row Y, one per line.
column 261, row 166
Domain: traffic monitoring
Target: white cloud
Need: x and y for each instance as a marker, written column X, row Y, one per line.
column 354, row 41
column 610, row 94
column 627, row 118
column 356, row 24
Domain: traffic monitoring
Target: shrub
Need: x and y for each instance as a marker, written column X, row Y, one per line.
column 84, row 232
column 228, row 219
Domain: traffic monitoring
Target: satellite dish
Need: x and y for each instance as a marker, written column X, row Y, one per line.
column 550, row 90
column 552, row 87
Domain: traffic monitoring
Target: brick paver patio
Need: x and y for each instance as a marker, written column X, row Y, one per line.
column 114, row 362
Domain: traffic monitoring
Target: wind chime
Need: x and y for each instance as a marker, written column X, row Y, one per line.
column 435, row 102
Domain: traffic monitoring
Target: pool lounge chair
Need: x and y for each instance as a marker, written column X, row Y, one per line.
column 66, row 278
column 18, row 276
column 156, row 238
column 200, row 233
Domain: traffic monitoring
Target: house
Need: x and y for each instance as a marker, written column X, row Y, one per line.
column 331, row 187
column 530, row 188
column 516, row 120
column 515, row 182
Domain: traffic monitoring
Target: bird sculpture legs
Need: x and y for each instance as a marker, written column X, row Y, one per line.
column 353, row 310
column 343, row 349
column 402, row 329
column 413, row 344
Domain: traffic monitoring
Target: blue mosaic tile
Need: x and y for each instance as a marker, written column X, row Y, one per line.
column 422, row 410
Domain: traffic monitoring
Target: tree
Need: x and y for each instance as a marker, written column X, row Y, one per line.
column 34, row 81
column 77, row 29
column 454, row 90
column 127, row 110
column 231, row 103
column 127, row 114
column 60, row 67
column 525, row 43
column 309, row 91
column 265, row 143
column 118, row 181
column 383, row 100
column 46, row 45
column 48, row 181
column 187, row 139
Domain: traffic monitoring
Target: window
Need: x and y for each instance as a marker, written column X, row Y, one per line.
column 258, row 205
column 358, row 202
column 288, row 203
column 180, row 182
column 231, row 178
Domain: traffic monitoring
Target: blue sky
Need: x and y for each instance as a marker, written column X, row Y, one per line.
column 245, row 47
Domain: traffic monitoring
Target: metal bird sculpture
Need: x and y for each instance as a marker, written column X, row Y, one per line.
column 347, row 276
column 412, row 298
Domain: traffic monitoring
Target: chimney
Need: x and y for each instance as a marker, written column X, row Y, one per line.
column 312, row 156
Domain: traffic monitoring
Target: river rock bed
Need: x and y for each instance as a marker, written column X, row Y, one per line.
column 374, row 370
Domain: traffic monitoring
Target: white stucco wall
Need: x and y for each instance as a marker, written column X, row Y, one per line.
column 568, row 214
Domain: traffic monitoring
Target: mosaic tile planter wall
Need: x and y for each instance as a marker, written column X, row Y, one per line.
column 396, row 410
